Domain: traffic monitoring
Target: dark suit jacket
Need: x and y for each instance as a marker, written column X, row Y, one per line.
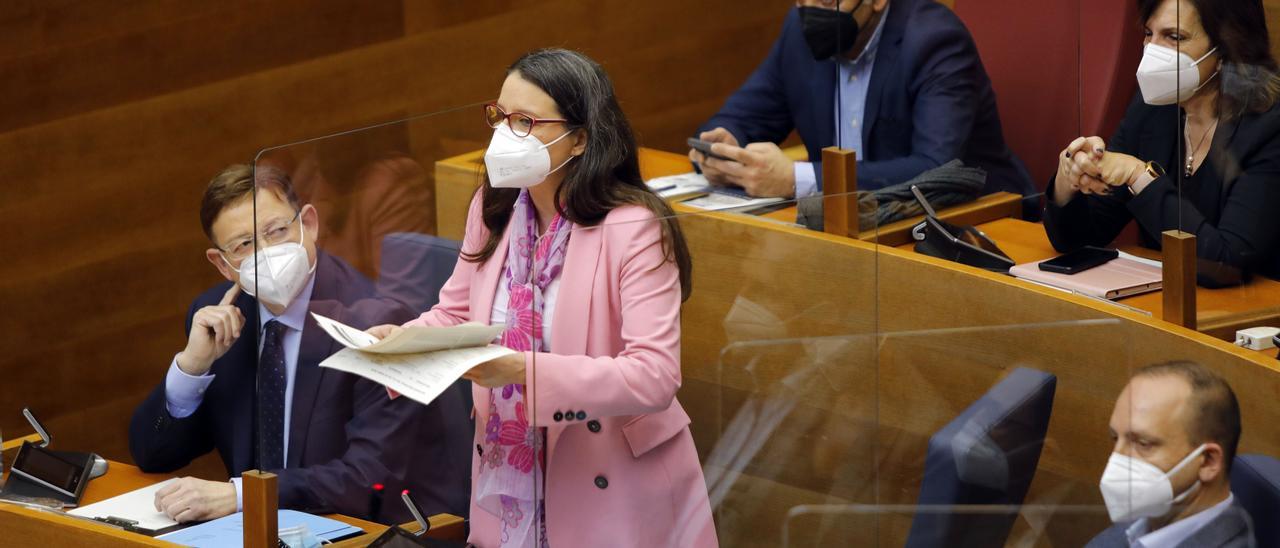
column 345, row 434
column 929, row 102
column 1232, row 529
column 1230, row 204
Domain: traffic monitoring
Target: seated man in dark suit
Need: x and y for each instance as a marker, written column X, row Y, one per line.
column 1176, row 426
column 249, row 384
column 899, row 82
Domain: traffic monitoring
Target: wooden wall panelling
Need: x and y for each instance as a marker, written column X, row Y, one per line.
column 104, row 160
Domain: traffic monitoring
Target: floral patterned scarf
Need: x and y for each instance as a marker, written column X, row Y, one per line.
column 512, row 458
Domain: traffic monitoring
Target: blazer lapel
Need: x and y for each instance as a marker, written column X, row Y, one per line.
column 573, row 303
column 316, row 345
column 885, row 69
column 484, row 290
column 823, row 90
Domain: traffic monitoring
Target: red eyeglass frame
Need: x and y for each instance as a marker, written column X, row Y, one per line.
column 506, row 117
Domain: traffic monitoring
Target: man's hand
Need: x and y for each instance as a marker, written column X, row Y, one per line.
column 191, row 499
column 214, row 329
column 762, row 169
column 498, row 372
column 713, row 174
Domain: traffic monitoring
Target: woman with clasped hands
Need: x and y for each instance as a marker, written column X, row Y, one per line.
column 586, row 267
column 1208, row 64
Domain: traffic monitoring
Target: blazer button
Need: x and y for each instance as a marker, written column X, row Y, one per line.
column 602, row 482
column 568, row 415
column 582, row 415
column 558, row 416
column 594, row 426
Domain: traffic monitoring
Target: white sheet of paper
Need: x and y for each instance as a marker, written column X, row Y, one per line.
column 412, row 340
column 723, row 202
column 138, row 505
column 420, row 377
column 679, row 185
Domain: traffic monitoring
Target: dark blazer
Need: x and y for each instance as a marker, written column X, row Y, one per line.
column 929, row 102
column 345, row 434
column 1230, row 204
column 1232, row 529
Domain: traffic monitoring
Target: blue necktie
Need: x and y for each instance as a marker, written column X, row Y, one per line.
column 271, row 385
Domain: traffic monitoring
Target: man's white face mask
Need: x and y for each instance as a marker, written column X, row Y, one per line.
column 1135, row 489
column 278, row 273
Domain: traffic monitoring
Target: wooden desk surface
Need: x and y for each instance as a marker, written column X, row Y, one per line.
column 1219, row 311
column 122, row 478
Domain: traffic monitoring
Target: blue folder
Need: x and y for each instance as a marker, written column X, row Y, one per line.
column 228, row 531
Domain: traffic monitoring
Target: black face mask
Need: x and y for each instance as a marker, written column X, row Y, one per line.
column 828, row 32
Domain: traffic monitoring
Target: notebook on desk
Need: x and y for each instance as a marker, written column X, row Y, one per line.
column 1121, row 277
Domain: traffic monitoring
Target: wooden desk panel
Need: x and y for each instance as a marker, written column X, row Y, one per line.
column 53, row 529
column 1220, row 312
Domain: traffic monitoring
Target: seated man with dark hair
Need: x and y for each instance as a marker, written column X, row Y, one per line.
column 249, row 383
column 899, row 82
column 1176, row 426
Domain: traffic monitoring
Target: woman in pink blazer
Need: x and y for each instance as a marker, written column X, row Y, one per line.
column 588, row 408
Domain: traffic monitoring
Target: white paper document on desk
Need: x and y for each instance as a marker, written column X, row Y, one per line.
column 138, row 505
column 418, row 362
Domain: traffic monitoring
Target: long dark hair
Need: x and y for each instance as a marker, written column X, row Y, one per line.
column 605, row 176
column 1238, row 28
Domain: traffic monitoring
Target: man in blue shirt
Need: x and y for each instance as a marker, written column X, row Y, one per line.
column 899, row 82
column 248, row 383
column 1167, row 484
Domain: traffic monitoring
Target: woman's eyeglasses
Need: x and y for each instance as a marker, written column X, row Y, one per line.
column 521, row 124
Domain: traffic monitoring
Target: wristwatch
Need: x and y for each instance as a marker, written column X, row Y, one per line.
column 1155, row 170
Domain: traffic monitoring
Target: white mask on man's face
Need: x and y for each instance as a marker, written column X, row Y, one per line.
column 1134, row 488
column 1166, row 76
column 519, row 162
column 277, row 274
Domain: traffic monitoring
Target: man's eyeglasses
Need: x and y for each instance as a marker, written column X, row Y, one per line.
column 521, row 124
column 275, row 232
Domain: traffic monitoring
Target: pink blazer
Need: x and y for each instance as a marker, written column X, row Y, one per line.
column 628, row 473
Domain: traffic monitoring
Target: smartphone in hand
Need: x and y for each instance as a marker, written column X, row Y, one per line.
column 705, row 148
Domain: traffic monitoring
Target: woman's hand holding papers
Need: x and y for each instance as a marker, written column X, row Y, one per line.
column 498, row 372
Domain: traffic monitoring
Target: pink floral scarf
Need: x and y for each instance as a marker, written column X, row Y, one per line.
column 512, row 458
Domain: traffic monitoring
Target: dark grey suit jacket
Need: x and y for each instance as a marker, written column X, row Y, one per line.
column 1232, row 529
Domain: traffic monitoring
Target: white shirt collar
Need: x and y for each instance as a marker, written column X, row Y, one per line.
column 1177, row 532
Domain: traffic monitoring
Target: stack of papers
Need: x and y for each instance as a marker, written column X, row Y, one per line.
column 418, row 362
column 705, row 195
column 138, row 505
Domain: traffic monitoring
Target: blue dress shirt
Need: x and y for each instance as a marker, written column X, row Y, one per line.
column 183, row 393
column 854, row 78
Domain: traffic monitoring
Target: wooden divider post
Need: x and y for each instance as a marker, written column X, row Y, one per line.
column 261, row 505
column 839, row 191
column 1179, row 278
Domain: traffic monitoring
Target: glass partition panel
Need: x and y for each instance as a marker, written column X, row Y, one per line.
column 729, row 354
column 379, row 234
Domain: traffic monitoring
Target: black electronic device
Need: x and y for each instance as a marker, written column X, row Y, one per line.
column 1079, row 260
column 705, row 148
column 39, row 472
column 962, row 244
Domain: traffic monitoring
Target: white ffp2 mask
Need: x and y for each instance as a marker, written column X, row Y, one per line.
column 277, row 274
column 518, row 162
column 1166, row 76
column 1134, row 488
